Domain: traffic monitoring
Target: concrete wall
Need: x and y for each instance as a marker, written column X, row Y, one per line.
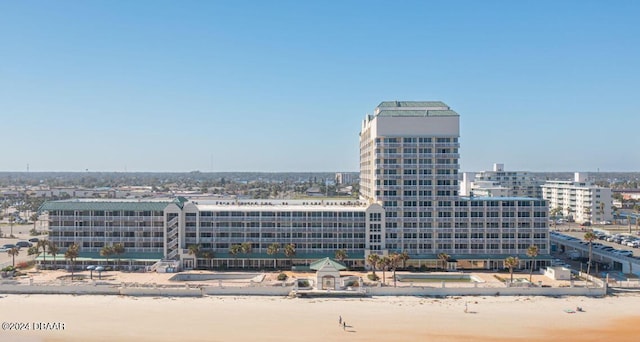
column 479, row 291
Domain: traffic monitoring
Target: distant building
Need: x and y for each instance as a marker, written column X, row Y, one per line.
column 500, row 183
column 343, row 178
column 579, row 199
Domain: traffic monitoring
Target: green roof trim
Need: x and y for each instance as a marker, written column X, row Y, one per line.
column 104, row 205
column 316, row 265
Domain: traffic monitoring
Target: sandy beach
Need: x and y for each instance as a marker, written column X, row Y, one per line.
column 111, row 318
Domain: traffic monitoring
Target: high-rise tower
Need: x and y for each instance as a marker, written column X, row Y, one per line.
column 409, row 163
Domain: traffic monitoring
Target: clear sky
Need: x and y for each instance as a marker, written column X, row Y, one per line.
column 283, row 85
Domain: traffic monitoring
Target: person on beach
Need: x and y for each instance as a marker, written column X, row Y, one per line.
column 344, row 325
column 339, row 320
column 465, row 307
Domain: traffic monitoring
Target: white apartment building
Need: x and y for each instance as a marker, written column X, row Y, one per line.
column 580, row 200
column 500, row 183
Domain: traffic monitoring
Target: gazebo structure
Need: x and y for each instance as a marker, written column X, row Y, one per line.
column 327, row 274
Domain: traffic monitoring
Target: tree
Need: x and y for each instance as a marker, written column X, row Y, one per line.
column 12, row 253
column 511, row 262
column 444, row 257
column 396, row 259
column 235, row 250
column 589, row 237
column 384, row 263
column 290, row 251
column 404, row 256
column 194, row 250
column 341, row 254
column 373, row 260
column 532, row 252
column 43, row 244
column 106, row 252
column 72, row 254
column 53, row 251
column 636, row 209
column 209, row 256
column 246, row 249
column 274, row 249
column 118, row 249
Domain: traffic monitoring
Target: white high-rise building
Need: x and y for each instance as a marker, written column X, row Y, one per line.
column 409, row 161
column 580, row 199
column 500, row 183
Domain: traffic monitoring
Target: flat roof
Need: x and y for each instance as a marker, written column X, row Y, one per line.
column 98, row 204
column 281, row 205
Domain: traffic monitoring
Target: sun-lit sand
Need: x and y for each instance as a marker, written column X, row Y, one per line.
column 117, row 318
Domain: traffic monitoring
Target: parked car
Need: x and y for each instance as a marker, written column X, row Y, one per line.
column 25, row 244
column 9, row 246
column 34, row 240
column 585, row 224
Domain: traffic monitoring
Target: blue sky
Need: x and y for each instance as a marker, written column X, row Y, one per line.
column 284, row 85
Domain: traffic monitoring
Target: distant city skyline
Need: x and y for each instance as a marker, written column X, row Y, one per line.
column 284, row 86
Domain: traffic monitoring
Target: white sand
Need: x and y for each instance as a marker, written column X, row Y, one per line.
column 115, row 318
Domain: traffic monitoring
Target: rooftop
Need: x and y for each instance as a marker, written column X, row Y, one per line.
column 419, row 104
column 418, row 113
column 102, row 204
column 283, row 205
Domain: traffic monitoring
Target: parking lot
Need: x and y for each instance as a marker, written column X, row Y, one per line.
column 610, row 251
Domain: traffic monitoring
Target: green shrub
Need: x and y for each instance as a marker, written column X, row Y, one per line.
column 282, row 277
column 8, row 269
column 303, row 283
column 373, row 277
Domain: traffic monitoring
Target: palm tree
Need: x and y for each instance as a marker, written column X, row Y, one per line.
column 13, row 252
column 532, row 252
column 404, row 256
column 384, row 263
column 373, row 260
column 119, row 250
column 396, row 259
column 209, row 256
column 194, row 250
column 43, row 244
column 511, row 262
column 589, row 237
column 235, row 250
column 636, row 209
column 444, row 257
column 274, row 249
column 53, row 251
column 290, row 251
column 341, row 254
column 72, row 253
column 106, row 251
column 246, row 248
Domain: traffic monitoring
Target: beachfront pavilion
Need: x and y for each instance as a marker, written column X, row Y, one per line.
column 328, row 274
